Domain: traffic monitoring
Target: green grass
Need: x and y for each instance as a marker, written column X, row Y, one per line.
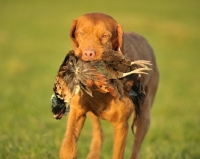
column 34, row 38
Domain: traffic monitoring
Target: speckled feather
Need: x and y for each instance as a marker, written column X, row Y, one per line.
column 105, row 75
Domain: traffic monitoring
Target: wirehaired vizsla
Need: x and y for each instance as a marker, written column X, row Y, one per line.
column 91, row 35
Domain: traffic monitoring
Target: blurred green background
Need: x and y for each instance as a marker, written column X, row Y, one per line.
column 34, row 38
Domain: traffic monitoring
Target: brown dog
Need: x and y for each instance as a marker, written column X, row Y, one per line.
column 91, row 35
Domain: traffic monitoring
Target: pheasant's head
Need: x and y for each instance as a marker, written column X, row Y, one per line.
column 61, row 98
column 58, row 107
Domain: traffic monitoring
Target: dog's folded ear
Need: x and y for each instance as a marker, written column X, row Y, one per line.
column 119, row 38
column 72, row 33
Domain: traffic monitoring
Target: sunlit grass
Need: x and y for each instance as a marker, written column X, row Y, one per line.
column 34, row 38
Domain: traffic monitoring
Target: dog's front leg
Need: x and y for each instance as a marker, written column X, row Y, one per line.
column 97, row 137
column 74, row 125
column 120, row 135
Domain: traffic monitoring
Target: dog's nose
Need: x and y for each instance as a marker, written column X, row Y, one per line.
column 88, row 54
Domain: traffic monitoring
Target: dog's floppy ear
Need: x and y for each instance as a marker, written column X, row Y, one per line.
column 72, row 33
column 119, row 38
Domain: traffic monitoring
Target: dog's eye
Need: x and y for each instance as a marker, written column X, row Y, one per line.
column 81, row 33
column 105, row 36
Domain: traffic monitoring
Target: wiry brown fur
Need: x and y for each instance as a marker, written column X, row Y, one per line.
column 100, row 32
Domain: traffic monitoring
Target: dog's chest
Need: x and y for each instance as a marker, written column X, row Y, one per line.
column 98, row 103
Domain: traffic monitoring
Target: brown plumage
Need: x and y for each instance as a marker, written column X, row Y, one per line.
column 105, row 75
column 114, row 74
column 124, row 72
column 76, row 72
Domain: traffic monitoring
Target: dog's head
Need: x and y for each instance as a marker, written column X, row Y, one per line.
column 94, row 33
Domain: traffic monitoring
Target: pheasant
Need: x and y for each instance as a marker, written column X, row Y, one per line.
column 106, row 75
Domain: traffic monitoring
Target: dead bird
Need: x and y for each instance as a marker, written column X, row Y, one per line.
column 101, row 75
column 107, row 76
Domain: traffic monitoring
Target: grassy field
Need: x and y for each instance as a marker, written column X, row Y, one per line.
column 34, row 38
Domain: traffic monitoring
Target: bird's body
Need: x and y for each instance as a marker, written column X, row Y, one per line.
column 113, row 74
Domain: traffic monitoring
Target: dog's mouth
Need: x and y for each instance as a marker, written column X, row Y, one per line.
column 59, row 107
